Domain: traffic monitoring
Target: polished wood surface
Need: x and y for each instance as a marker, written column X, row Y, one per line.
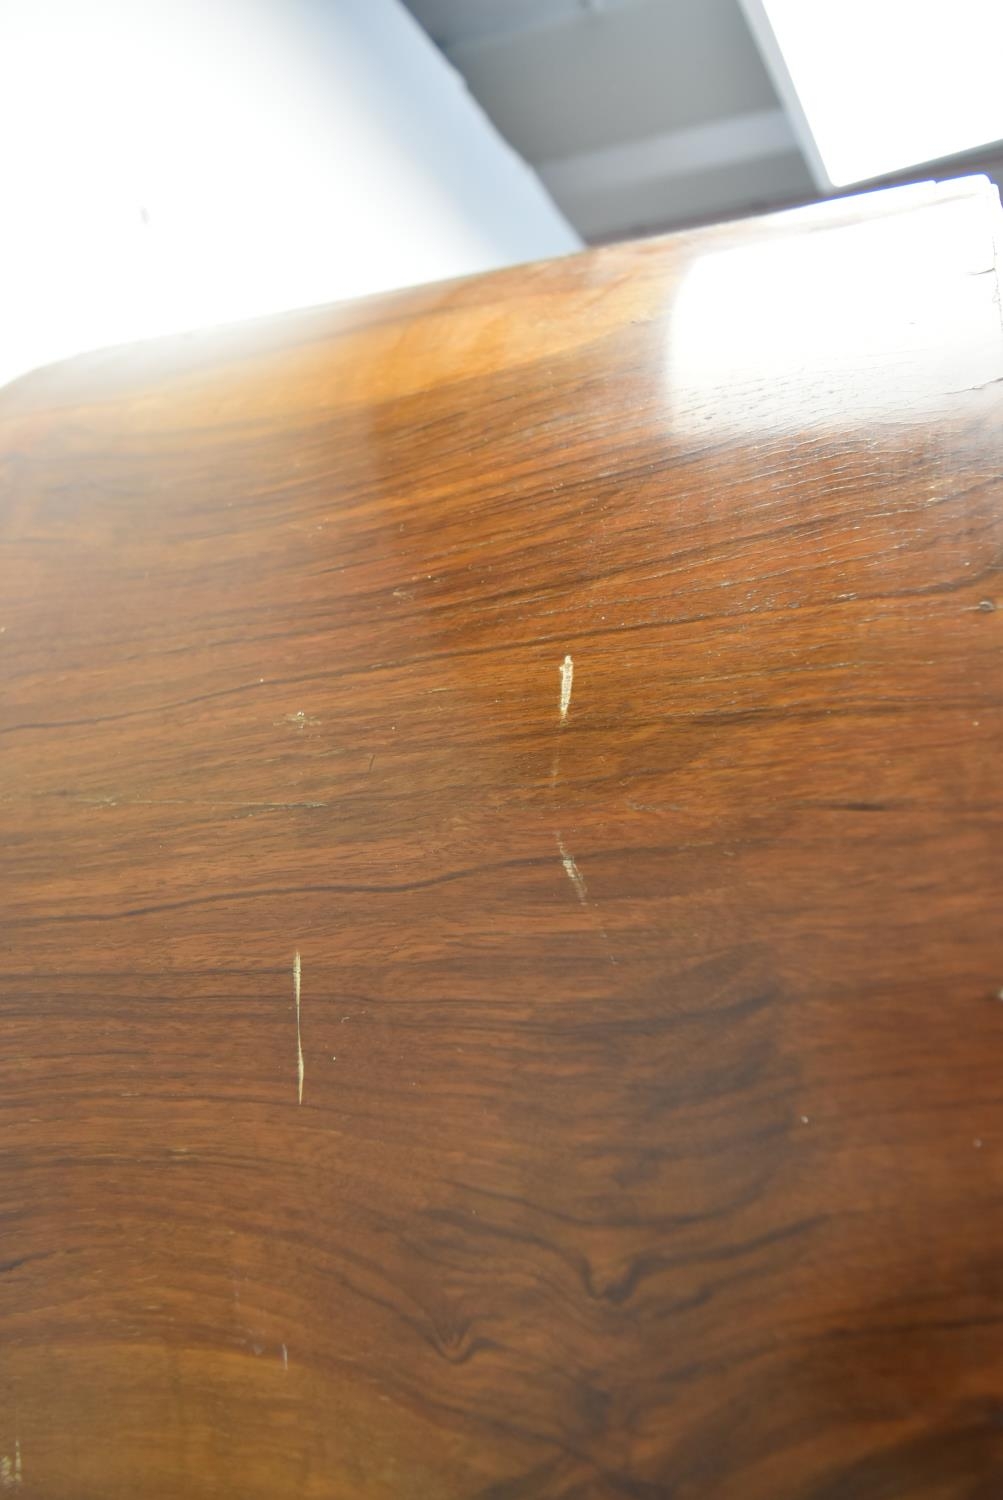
column 500, row 990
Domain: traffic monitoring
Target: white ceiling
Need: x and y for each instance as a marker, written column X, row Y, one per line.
column 452, row 21
column 637, row 114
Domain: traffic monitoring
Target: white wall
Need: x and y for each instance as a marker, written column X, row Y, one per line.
column 170, row 164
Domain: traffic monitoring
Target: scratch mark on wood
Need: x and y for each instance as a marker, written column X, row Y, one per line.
column 297, row 974
column 581, row 890
column 567, row 678
column 573, row 873
column 10, row 1471
column 285, row 1357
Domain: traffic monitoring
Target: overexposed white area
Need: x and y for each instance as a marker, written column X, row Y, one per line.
column 176, row 164
column 880, row 86
column 854, row 323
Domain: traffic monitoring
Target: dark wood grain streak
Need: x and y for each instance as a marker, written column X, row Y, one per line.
column 651, row 1135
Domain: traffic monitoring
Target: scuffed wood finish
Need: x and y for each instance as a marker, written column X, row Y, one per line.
column 593, row 673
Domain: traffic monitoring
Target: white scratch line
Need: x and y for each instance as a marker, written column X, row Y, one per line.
column 581, row 890
column 572, row 871
column 567, row 678
column 297, row 970
column 10, row 1473
column 285, row 1357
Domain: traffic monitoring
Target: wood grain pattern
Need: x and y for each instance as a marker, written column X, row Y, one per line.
column 651, row 1134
